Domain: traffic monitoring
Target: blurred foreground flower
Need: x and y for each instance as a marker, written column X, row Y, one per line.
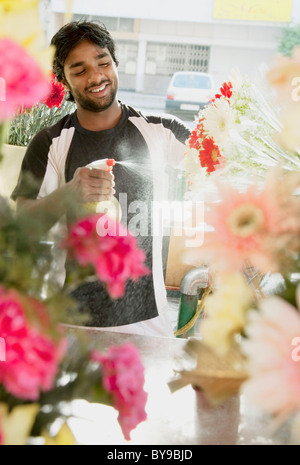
column 32, row 356
column 25, row 83
column 44, row 364
column 284, row 78
column 42, row 370
column 226, row 312
column 28, row 121
column 252, row 229
column 25, row 57
column 260, row 226
column 13, row 6
column 20, row 22
column 123, row 377
column 109, row 248
column 16, row 424
column 282, row 74
column 115, row 379
column 269, row 349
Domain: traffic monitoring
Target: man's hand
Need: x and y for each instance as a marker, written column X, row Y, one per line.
column 87, row 186
column 92, row 185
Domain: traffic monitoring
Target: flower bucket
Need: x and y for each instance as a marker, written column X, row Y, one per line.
column 16, row 425
column 10, row 168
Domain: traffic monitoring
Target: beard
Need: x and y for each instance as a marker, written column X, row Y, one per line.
column 89, row 104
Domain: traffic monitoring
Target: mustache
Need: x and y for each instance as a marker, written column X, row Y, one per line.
column 87, row 89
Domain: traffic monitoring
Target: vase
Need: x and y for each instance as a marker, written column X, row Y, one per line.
column 219, row 378
column 10, row 168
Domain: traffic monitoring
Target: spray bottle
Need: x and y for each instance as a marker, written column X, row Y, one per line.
column 109, row 207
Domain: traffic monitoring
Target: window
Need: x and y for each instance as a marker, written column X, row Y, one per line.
column 112, row 23
column 169, row 58
column 127, row 52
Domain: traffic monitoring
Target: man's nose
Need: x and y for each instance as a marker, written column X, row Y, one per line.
column 94, row 74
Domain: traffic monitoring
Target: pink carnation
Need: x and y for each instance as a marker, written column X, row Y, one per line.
column 123, row 377
column 109, row 247
column 22, row 80
column 32, row 357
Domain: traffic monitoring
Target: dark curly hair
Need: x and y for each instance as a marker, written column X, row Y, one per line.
column 70, row 35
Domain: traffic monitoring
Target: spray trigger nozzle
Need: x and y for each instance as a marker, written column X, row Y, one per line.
column 104, row 164
column 110, row 162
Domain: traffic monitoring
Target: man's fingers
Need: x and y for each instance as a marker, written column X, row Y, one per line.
column 100, row 183
column 100, row 174
column 95, row 185
column 98, row 197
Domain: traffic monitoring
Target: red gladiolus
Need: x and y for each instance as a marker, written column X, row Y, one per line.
column 196, row 136
column 210, row 155
column 226, row 90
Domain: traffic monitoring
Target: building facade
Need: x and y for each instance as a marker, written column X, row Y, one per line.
column 155, row 39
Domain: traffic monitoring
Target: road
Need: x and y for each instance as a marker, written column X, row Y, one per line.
column 148, row 103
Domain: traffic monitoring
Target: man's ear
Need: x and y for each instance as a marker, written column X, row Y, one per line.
column 65, row 84
column 67, row 89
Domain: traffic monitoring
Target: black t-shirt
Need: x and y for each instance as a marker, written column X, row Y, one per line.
column 147, row 144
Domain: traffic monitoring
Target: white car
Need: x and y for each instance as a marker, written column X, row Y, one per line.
column 188, row 92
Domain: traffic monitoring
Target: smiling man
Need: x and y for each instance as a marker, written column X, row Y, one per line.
column 90, row 74
column 103, row 127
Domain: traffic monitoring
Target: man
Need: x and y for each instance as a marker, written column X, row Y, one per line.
column 103, row 127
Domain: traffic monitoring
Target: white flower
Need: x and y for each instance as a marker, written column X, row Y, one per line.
column 191, row 161
column 218, row 119
column 193, row 169
column 236, row 78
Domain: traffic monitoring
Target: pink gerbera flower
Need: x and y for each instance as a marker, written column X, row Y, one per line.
column 260, row 225
column 241, row 222
column 274, row 381
column 24, row 81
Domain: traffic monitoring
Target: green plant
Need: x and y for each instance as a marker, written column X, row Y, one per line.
column 289, row 39
column 29, row 121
